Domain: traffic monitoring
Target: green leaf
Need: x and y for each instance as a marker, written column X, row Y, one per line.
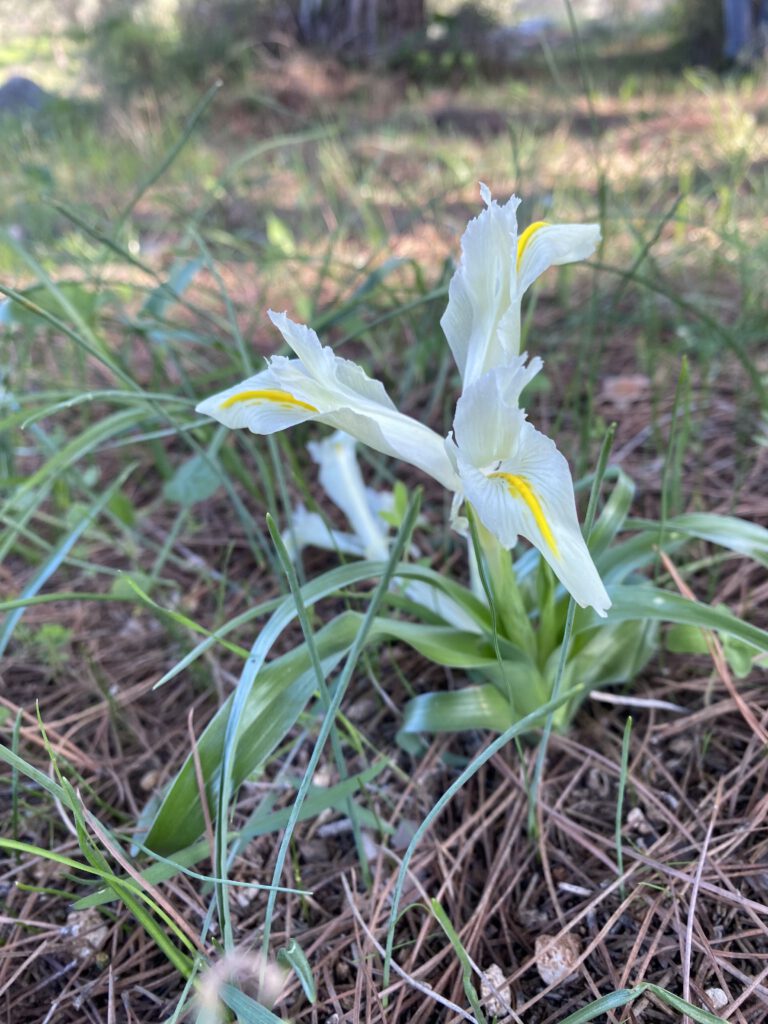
column 70, row 295
column 53, row 562
column 740, row 656
column 335, row 314
column 293, row 957
column 466, row 964
column 612, row 653
column 331, row 583
column 275, row 703
column 159, row 299
column 613, row 516
column 39, row 778
column 443, row 645
column 686, row 640
column 123, row 508
column 645, row 602
column 280, row 236
column 613, row 1001
column 82, row 444
column 624, row 996
column 729, row 532
column 318, row 800
column 473, row 707
column 737, row 535
column 399, row 504
column 284, row 687
column 698, row 1014
column 130, row 585
column 248, row 1010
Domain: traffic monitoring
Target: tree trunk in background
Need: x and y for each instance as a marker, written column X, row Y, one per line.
column 361, row 27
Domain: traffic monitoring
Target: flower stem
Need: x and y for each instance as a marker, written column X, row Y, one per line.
column 505, row 594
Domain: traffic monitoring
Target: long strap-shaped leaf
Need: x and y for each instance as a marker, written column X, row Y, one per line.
column 641, row 602
column 730, row 532
column 326, row 585
column 273, row 706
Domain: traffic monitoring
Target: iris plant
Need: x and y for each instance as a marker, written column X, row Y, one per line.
column 513, row 476
column 507, row 480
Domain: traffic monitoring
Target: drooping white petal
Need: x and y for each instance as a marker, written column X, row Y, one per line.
column 342, row 481
column 260, row 404
column 319, row 385
column 531, row 494
column 481, row 291
column 321, row 364
column 550, row 245
column 488, row 419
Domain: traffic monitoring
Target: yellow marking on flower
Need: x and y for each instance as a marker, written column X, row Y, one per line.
column 267, row 395
column 524, row 239
column 520, row 488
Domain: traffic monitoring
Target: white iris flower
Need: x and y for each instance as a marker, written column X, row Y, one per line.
column 515, row 477
column 482, row 320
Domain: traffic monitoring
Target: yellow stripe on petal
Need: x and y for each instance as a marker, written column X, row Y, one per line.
column 520, row 488
column 524, row 239
column 266, row 395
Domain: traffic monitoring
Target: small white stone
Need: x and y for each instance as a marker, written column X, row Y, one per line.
column 87, row 932
column 717, row 998
column 555, row 958
column 496, row 1005
column 637, row 822
column 322, row 777
column 149, row 780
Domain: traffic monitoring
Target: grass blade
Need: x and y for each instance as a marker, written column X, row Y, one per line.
column 398, row 548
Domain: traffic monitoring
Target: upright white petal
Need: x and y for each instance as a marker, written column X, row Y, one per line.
column 342, row 481
column 482, row 319
column 542, row 246
column 488, row 419
column 481, row 291
column 321, row 386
